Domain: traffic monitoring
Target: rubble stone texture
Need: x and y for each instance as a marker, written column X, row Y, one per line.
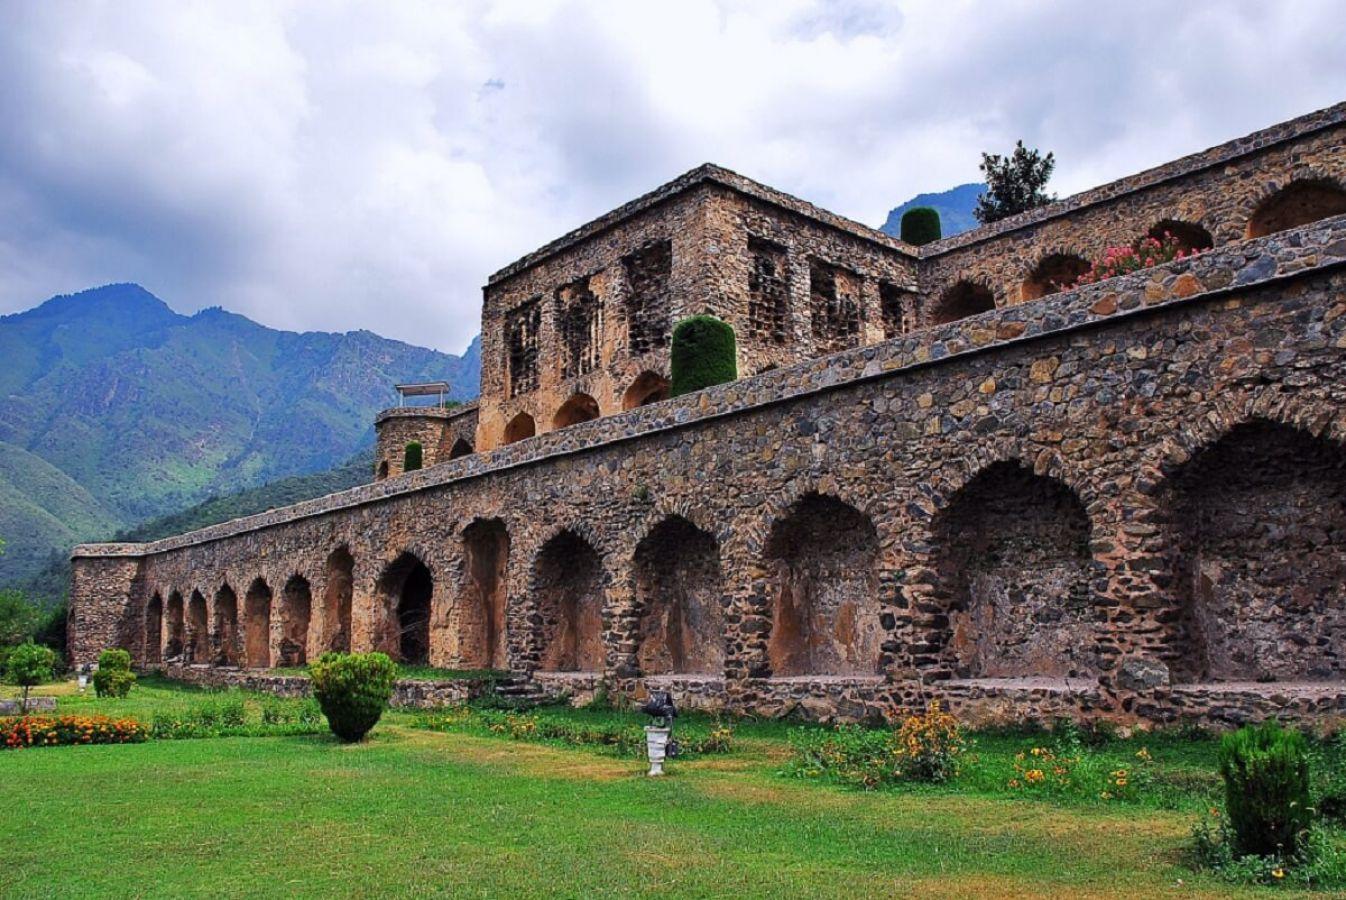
column 1119, row 501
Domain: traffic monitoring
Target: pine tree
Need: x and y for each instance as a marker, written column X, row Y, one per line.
column 1014, row 183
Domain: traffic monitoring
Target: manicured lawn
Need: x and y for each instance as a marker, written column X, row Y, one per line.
column 418, row 812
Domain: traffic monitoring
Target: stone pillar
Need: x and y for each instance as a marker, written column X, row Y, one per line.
column 107, row 607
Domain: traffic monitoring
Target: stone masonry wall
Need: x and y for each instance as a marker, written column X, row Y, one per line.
column 444, row 434
column 1105, row 392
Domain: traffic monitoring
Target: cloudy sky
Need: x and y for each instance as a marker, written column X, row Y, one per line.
column 343, row 165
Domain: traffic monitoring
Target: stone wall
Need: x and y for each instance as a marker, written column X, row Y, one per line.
column 1092, row 403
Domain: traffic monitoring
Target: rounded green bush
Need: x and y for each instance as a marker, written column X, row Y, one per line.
column 113, row 682
column 414, row 457
column 703, row 354
column 920, row 225
column 353, row 691
column 1266, row 778
column 114, row 658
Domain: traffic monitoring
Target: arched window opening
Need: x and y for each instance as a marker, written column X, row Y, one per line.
column 337, row 593
column 198, row 639
column 296, row 607
column 1013, row 564
column 460, row 449
column 1259, row 529
column 649, row 387
column 408, row 589
column 568, row 584
column 678, row 594
column 257, row 625
column 483, row 596
column 960, row 301
column 176, row 639
column 520, row 427
column 1298, row 203
column 383, row 470
column 823, row 561
column 579, row 408
column 226, row 643
column 1190, row 236
column 154, row 630
column 1056, row 272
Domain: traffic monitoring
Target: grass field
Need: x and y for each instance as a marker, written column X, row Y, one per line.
column 414, row 812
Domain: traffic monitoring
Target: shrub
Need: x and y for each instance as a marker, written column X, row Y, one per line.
column 115, row 683
column 29, row 665
column 929, row 745
column 703, row 354
column 414, row 457
column 115, row 658
column 920, row 225
column 51, row 731
column 1266, row 776
column 353, row 690
column 924, row 747
column 1124, row 260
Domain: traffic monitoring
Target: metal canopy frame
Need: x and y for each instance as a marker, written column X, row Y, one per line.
column 438, row 389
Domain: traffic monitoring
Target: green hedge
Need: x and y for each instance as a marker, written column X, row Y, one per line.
column 703, row 354
column 353, row 690
column 1266, row 777
column 920, row 225
column 414, row 457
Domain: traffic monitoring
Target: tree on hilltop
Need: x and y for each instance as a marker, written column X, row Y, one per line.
column 1014, row 183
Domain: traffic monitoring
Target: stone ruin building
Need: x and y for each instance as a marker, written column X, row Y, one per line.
column 940, row 474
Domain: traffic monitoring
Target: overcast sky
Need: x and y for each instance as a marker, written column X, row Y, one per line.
column 335, row 166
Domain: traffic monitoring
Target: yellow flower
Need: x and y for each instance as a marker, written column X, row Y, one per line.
column 1278, row 873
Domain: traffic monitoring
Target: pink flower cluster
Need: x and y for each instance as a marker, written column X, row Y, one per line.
column 1144, row 254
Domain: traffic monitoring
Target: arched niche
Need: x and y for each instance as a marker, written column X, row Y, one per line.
column 1298, row 203
column 649, row 387
column 520, row 427
column 579, row 408
column 1056, row 272
column 961, row 300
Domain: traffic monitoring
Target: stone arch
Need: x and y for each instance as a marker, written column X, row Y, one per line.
column 483, row 596
column 198, row 636
column 579, row 408
column 649, row 387
column 961, row 300
column 568, row 586
column 1256, row 523
column 383, row 470
column 338, row 591
column 257, row 625
column 175, row 626
column 408, row 590
column 226, row 644
column 460, row 448
column 823, row 559
column 154, row 630
column 678, row 590
column 1192, row 237
column 1013, row 572
column 520, row 427
column 296, row 611
column 1300, row 202
column 1054, row 273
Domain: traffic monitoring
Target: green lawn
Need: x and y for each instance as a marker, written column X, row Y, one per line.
column 418, row 812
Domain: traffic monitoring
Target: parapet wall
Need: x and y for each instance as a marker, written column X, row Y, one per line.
column 1017, row 502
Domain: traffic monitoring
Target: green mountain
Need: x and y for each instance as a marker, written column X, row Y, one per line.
column 115, row 409
column 954, row 206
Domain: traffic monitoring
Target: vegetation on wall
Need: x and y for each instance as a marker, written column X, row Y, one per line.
column 703, row 354
column 1014, row 183
column 413, row 458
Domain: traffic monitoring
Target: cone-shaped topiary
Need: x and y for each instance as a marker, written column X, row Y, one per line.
column 353, row 690
column 703, row 354
column 413, row 458
column 920, row 225
column 1266, row 780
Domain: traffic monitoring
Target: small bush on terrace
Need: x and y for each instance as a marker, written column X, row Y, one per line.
column 29, row 665
column 414, row 457
column 1146, row 253
column 353, row 691
column 114, row 677
column 703, row 354
column 920, row 225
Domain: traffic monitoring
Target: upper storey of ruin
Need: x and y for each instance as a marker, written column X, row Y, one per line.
column 580, row 328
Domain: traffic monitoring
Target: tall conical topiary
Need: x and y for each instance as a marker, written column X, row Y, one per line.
column 703, row 354
column 413, row 458
column 920, row 225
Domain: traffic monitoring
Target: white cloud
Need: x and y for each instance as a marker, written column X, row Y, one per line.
column 367, row 165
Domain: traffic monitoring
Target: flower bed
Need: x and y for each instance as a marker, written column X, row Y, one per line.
column 54, row 731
